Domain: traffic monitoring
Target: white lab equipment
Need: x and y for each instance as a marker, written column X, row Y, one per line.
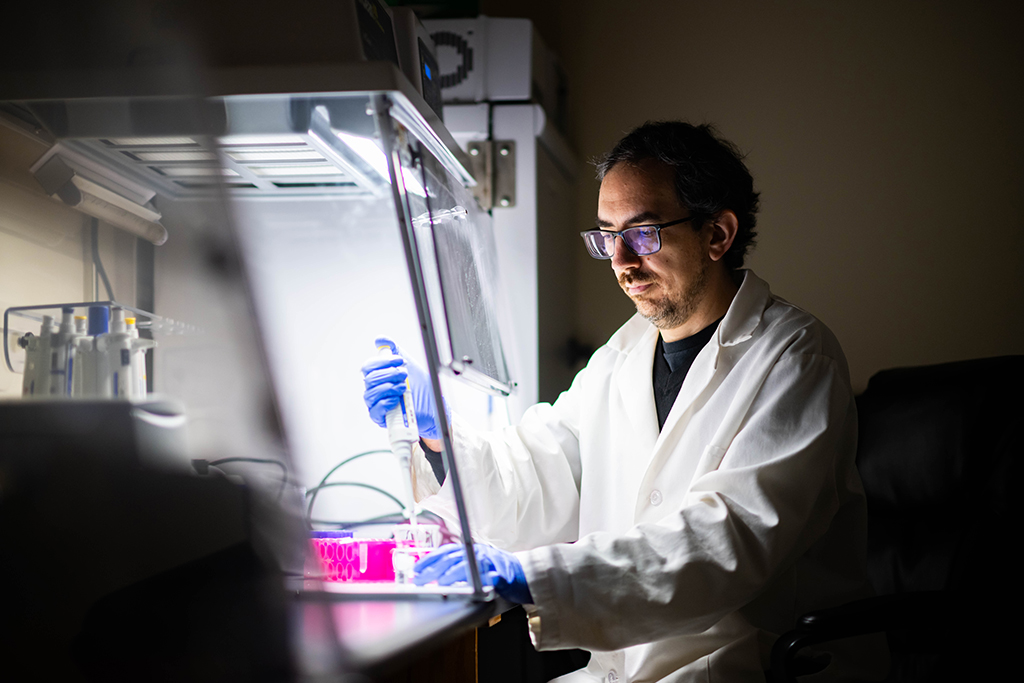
column 86, row 357
column 75, row 345
column 504, row 104
column 61, row 354
column 115, row 350
column 420, row 535
column 498, row 59
column 83, row 369
column 92, row 361
column 36, row 379
column 138, row 365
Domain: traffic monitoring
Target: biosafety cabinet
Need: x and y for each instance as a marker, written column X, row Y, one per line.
column 193, row 268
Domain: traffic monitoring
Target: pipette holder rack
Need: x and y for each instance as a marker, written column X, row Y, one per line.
column 144, row 320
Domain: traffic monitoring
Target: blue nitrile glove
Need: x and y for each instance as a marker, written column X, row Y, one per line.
column 385, row 377
column 498, row 568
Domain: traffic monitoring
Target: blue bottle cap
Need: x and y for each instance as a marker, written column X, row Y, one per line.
column 99, row 320
column 331, row 534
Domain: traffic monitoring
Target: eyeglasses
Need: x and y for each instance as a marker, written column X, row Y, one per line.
column 642, row 240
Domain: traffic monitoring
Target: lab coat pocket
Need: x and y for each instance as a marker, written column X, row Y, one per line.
column 709, row 460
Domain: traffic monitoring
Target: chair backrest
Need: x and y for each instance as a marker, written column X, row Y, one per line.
column 938, row 453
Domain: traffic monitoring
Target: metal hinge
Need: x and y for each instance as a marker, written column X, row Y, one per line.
column 493, row 165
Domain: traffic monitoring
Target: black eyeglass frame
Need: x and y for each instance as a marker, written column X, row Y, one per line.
column 618, row 233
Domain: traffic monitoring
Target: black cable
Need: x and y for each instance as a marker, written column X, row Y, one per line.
column 344, row 525
column 260, row 461
column 391, row 518
column 313, row 492
column 348, row 460
column 334, row 469
column 100, row 270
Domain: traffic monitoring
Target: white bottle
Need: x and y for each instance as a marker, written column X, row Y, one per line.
column 94, row 379
column 139, row 348
column 81, row 340
column 61, row 350
column 75, row 355
column 115, row 348
column 36, row 380
column 30, row 343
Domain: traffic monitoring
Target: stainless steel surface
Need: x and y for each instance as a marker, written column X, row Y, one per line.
column 479, row 152
column 504, row 173
column 371, row 635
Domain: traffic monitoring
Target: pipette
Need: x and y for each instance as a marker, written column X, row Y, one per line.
column 403, row 433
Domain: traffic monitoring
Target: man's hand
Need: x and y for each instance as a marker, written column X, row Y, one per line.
column 385, row 376
column 447, row 565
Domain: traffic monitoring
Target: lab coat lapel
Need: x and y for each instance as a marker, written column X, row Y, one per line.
column 635, row 386
column 742, row 318
column 738, row 325
column 697, row 379
column 666, row 445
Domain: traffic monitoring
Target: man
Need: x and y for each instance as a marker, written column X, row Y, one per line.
column 694, row 490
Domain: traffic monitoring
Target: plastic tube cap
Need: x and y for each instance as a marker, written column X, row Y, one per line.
column 117, row 323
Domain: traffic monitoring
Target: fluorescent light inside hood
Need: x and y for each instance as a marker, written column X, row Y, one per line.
column 291, row 171
column 174, row 156
column 371, row 153
column 274, row 155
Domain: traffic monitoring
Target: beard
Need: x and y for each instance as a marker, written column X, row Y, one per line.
column 667, row 310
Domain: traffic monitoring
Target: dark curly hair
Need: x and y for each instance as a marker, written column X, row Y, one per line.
column 709, row 172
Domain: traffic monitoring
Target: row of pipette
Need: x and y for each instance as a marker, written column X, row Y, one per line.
column 96, row 356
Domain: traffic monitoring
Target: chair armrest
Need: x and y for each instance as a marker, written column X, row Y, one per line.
column 870, row 615
column 880, row 613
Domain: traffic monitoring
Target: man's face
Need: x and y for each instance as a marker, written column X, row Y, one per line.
column 669, row 285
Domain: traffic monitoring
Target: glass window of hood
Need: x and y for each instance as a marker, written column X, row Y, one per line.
column 284, row 263
column 329, row 276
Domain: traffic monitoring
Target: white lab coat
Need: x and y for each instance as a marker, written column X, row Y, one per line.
column 680, row 555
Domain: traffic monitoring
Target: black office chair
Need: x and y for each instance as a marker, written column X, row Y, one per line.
column 939, row 452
